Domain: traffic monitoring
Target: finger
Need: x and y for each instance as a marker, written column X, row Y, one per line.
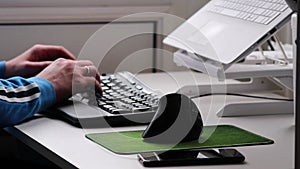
column 63, row 52
column 98, row 77
column 42, row 64
column 54, row 52
column 84, row 63
column 98, row 87
column 33, row 68
column 92, row 82
column 93, row 72
column 89, row 71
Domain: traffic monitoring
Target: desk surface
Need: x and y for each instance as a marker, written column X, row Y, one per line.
column 67, row 146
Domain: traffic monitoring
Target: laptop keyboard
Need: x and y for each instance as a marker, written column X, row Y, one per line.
column 259, row 11
column 123, row 93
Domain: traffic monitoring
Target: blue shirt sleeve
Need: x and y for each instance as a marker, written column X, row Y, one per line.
column 22, row 98
column 2, row 69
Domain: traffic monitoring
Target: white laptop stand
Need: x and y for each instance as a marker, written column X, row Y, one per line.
column 255, row 77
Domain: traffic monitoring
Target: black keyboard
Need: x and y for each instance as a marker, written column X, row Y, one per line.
column 123, row 93
column 125, row 101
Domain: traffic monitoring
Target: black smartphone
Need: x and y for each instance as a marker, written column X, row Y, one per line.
column 191, row 157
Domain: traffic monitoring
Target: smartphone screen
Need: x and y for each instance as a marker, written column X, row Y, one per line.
column 191, row 157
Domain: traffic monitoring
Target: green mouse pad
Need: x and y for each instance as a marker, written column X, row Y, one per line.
column 131, row 142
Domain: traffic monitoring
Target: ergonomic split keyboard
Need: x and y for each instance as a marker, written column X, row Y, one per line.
column 125, row 100
column 122, row 94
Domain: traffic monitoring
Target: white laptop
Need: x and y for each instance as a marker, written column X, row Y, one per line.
column 228, row 30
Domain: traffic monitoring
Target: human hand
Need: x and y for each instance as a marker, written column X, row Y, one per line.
column 70, row 76
column 34, row 60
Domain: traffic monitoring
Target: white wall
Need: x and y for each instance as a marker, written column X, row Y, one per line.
column 37, row 11
column 55, row 16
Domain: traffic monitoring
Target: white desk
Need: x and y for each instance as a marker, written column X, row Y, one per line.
column 67, row 146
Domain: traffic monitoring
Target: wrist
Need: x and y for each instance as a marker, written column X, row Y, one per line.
column 8, row 69
column 48, row 94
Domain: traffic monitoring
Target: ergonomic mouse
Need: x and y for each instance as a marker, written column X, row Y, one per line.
column 176, row 120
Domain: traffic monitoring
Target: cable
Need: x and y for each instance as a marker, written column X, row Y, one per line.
column 270, row 45
column 242, row 95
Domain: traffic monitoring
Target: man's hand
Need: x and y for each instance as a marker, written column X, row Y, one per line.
column 69, row 77
column 34, row 60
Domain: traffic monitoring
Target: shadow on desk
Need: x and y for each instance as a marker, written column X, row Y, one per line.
column 16, row 154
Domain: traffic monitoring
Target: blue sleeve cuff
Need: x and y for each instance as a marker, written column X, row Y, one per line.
column 48, row 95
column 2, row 69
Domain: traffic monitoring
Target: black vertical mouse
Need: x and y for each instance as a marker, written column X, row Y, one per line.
column 176, row 120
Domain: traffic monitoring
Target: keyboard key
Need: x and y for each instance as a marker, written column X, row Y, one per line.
column 138, row 87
